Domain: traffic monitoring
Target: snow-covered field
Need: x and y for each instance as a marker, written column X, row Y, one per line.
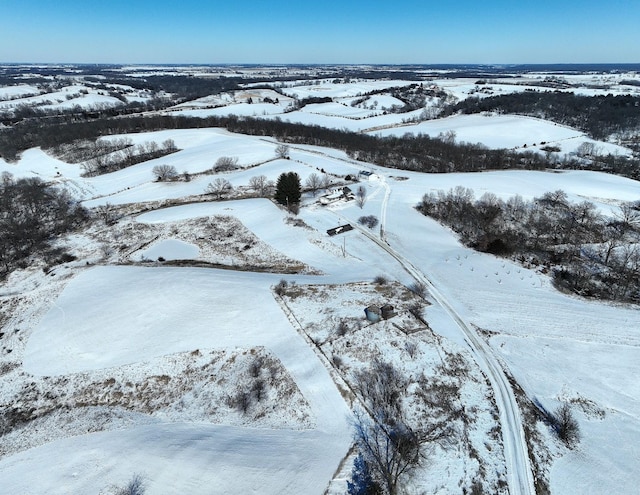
column 73, row 94
column 506, row 131
column 178, row 340
column 110, row 317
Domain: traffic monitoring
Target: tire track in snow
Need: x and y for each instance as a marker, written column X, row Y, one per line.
column 383, row 208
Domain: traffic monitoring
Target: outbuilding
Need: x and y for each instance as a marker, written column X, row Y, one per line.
column 376, row 313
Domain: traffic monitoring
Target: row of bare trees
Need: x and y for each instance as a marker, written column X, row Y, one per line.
column 127, row 154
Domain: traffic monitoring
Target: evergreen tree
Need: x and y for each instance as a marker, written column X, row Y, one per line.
column 288, row 189
column 362, row 483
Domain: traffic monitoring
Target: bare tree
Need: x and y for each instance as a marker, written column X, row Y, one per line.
column 586, row 149
column 389, row 450
column 566, row 425
column 416, row 309
column 448, row 137
column 107, row 213
column 342, row 328
column 169, row 145
column 419, row 289
column 165, row 172
column 381, row 387
column 219, row 187
column 281, row 288
column 325, row 182
column 629, row 216
column 313, row 183
column 282, row 151
column 380, row 280
column 261, row 185
column 226, row 163
column 134, row 487
column 361, row 196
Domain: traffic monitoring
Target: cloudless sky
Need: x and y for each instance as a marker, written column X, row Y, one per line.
column 327, row 31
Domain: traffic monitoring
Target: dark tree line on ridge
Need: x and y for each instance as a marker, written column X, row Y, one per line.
column 589, row 254
column 418, row 153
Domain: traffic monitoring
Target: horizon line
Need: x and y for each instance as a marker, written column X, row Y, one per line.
column 329, row 64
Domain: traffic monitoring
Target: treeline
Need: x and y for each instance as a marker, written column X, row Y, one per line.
column 32, row 213
column 181, row 87
column 24, row 114
column 109, row 157
column 589, row 254
column 597, row 116
column 418, row 153
column 311, row 100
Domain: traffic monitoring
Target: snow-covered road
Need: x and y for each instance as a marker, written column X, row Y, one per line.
column 515, row 445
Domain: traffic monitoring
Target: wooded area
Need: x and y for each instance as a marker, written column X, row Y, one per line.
column 588, row 254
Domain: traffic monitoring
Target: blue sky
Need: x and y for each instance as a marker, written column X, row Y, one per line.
column 329, row 31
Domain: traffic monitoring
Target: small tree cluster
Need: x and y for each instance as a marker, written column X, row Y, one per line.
column 83, row 150
column 281, row 287
column 32, row 214
column 255, row 391
column 369, row 221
